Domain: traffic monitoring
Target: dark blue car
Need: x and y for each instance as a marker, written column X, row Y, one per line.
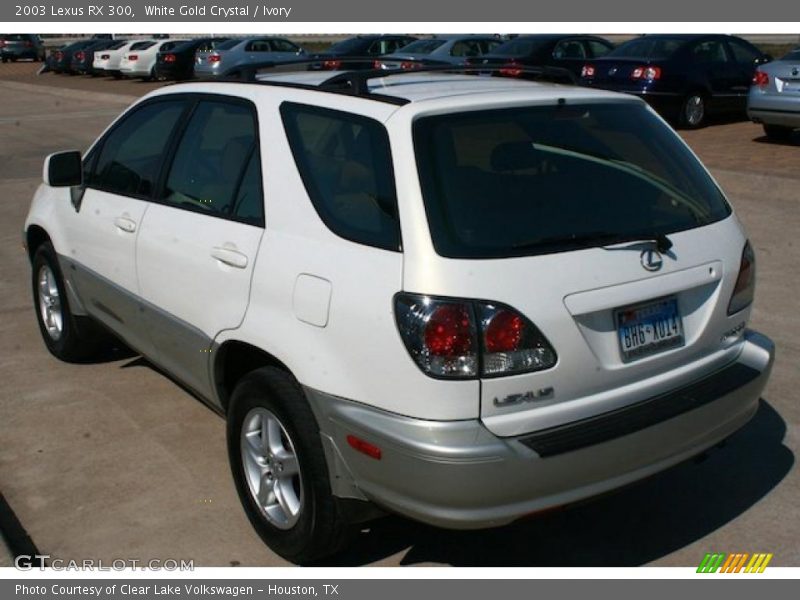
column 685, row 77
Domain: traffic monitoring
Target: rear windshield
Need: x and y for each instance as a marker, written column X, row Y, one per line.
column 141, row 45
column 117, row 45
column 228, row 44
column 793, row 55
column 519, row 47
column 649, row 48
column 422, row 46
column 537, row 180
column 350, row 45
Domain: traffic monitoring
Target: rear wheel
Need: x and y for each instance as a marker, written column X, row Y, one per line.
column 67, row 337
column 693, row 110
column 279, row 467
column 778, row 132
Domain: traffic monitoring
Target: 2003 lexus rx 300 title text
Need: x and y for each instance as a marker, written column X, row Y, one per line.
column 456, row 298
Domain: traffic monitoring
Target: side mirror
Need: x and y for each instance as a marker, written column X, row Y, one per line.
column 63, row 169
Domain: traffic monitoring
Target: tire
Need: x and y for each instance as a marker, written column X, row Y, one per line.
column 302, row 521
column 67, row 337
column 694, row 110
column 778, row 132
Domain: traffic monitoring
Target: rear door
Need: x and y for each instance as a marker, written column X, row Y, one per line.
column 199, row 240
column 120, row 177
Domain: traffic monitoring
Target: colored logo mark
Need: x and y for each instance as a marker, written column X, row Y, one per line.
column 740, row 562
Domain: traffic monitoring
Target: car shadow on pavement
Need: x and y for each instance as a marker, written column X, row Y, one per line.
column 793, row 141
column 630, row 527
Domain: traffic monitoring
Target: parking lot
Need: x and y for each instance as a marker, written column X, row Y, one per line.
column 114, row 460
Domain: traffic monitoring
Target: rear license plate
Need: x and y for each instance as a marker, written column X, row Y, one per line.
column 647, row 329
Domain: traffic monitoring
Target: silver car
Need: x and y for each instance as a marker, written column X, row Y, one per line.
column 455, row 50
column 774, row 98
column 242, row 51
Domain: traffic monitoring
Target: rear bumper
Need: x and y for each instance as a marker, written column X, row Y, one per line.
column 459, row 475
column 787, row 116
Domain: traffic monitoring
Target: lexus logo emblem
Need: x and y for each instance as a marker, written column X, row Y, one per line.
column 612, row 70
column 651, row 260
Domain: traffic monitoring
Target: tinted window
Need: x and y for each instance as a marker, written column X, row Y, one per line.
column 349, row 45
column 141, row 45
column 117, row 45
column 569, row 49
column 648, row 47
column 793, row 55
column 132, row 153
column 211, row 158
column 346, row 166
column 249, row 203
column 283, row 46
column 709, row 52
column 743, row 53
column 227, row 45
column 520, row 47
column 422, row 46
column 518, row 182
column 598, row 49
column 258, row 46
column 466, row 48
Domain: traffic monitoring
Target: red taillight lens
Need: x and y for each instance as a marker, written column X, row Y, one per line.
column 364, row 447
column 105, row 56
column 170, row 58
column 2, row 43
column 465, row 338
column 745, row 289
column 448, row 332
column 80, row 55
column 408, row 65
column 133, row 57
column 331, row 65
column 760, row 79
column 647, row 73
column 587, row 71
column 511, row 69
column 214, row 58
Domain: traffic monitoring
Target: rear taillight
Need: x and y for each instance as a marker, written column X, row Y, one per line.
column 465, row 339
column 133, row 57
column 408, row 65
column 760, row 79
column 170, row 58
column 105, row 56
column 511, row 69
column 647, row 73
column 80, row 55
column 2, row 43
column 331, row 65
column 745, row 288
column 214, row 58
column 587, row 71
column 377, row 64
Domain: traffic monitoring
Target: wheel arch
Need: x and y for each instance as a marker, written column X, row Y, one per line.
column 35, row 236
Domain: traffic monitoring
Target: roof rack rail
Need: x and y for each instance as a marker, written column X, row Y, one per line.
column 356, row 82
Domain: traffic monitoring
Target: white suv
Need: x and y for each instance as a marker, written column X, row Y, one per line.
column 457, row 298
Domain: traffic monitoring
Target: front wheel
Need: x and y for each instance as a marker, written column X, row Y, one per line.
column 279, row 468
column 693, row 111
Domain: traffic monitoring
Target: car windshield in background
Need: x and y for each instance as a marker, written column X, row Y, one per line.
column 519, row 47
column 650, row 48
column 348, row 45
column 141, row 45
column 117, row 45
column 527, row 181
column 421, row 47
column 793, row 55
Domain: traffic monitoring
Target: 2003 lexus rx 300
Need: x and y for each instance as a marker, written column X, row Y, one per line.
column 460, row 299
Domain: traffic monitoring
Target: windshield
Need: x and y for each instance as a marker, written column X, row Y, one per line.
column 654, row 48
column 519, row 47
column 526, row 181
column 421, row 47
column 793, row 55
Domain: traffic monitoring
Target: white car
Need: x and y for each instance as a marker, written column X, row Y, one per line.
column 141, row 61
column 108, row 61
column 460, row 299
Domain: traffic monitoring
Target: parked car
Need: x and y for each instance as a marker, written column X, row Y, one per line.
column 359, row 46
column 685, row 77
column 455, row 49
column 470, row 299
column 774, row 98
column 61, row 61
column 16, row 46
column 178, row 63
column 141, row 63
column 568, row 52
column 108, row 61
column 242, row 51
column 83, row 60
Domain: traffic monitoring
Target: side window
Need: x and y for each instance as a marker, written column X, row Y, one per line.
column 379, row 47
column 489, row 46
column 132, row 154
column 709, row 52
column 568, row 49
column 346, row 166
column 742, row 53
column 211, row 158
column 284, row 46
column 258, row 46
column 249, row 203
column 465, row 48
column 597, row 49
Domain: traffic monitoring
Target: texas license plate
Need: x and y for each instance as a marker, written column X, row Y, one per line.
column 650, row 328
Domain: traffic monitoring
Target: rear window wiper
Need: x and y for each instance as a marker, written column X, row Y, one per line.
column 594, row 239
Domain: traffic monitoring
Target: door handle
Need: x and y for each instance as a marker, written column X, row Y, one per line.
column 125, row 223
column 229, row 256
